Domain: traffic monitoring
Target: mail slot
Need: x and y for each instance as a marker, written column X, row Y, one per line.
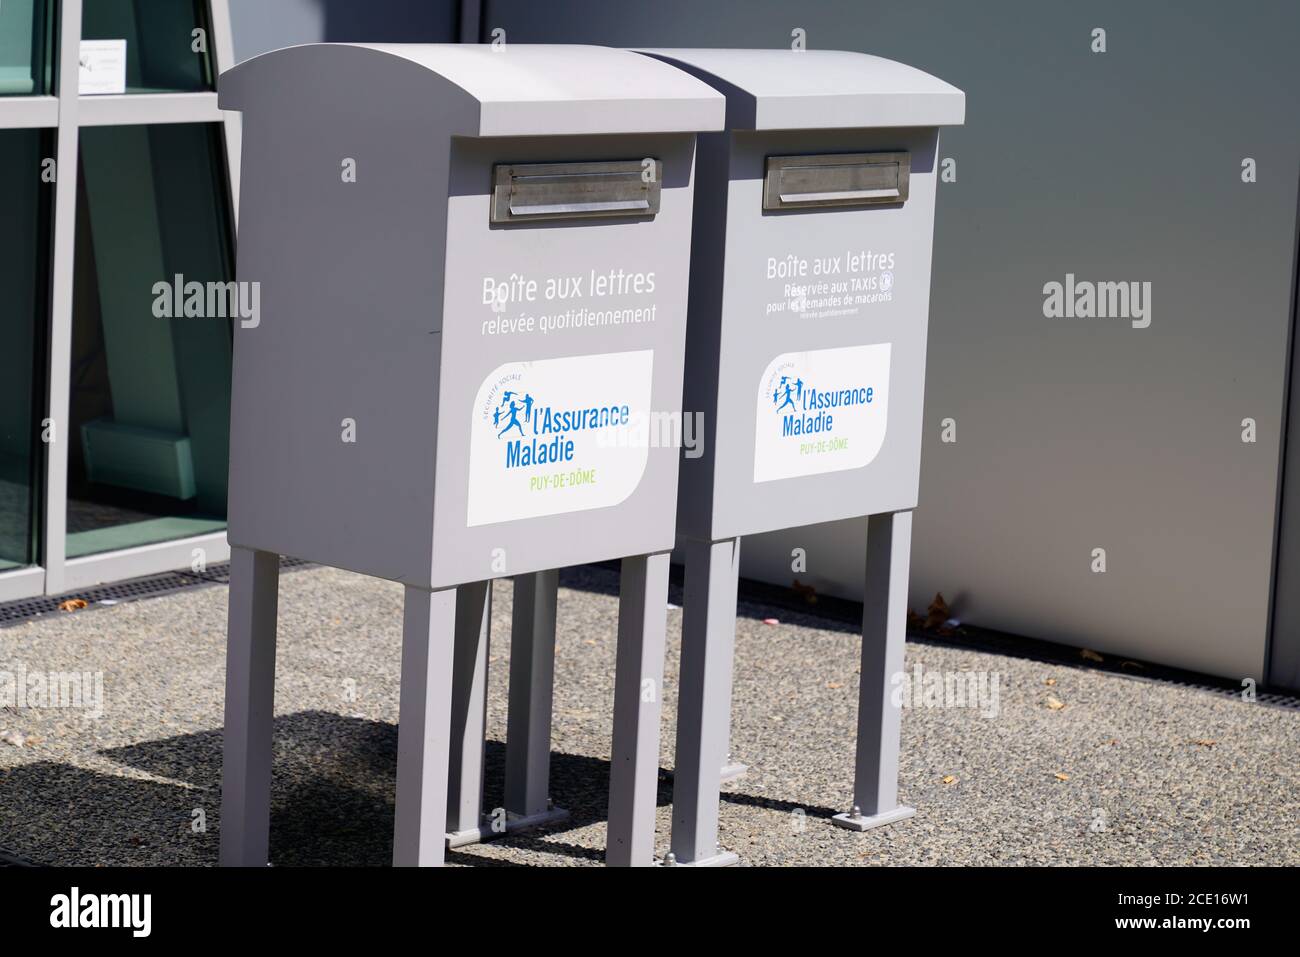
column 848, row 179
column 532, row 192
column 806, row 340
column 473, row 267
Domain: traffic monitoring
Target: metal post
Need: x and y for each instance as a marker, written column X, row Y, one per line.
column 250, row 708
column 884, row 635
column 532, row 682
column 468, row 713
column 638, row 696
column 424, row 727
column 704, row 705
column 59, row 386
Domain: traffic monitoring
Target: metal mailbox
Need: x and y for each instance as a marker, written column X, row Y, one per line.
column 473, row 280
column 806, row 336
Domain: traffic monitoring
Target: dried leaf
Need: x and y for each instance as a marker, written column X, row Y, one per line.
column 1055, row 703
column 914, row 620
column 937, row 613
column 834, row 684
column 1205, row 742
column 72, row 604
column 1089, row 655
column 1132, row 665
column 949, row 779
column 590, row 641
column 1061, row 776
column 1050, row 682
column 808, row 592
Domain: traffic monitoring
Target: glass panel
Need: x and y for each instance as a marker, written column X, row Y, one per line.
column 25, row 47
column 150, row 403
column 160, row 41
column 25, row 250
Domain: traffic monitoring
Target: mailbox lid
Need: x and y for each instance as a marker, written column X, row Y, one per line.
column 518, row 89
column 820, row 89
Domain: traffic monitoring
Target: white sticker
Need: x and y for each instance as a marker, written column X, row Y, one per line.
column 556, row 435
column 103, row 67
column 822, row 411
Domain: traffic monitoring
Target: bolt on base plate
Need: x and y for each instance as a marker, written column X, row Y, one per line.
column 855, row 820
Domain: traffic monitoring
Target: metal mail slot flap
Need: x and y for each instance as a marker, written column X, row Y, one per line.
column 540, row 191
column 840, row 179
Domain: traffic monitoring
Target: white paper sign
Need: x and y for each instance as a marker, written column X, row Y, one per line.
column 822, row 411
column 558, row 435
column 103, row 67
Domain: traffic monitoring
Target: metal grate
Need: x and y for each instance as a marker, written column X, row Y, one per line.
column 151, row 586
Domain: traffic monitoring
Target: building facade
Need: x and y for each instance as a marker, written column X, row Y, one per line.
column 122, row 175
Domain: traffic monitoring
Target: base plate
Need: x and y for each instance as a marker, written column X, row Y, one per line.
column 720, row 859
column 732, row 771
column 515, row 824
column 865, row 823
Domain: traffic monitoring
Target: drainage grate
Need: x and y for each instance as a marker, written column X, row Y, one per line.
column 1273, row 699
column 151, row 586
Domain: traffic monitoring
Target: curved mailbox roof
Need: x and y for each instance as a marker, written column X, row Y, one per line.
column 517, row 90
column 820, row 89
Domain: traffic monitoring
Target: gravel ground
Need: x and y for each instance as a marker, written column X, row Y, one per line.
column 1075, row 767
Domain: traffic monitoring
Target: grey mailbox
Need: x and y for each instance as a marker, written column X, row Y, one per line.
column 473, row 282
column 810, row 285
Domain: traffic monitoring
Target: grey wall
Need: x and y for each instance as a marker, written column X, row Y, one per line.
column 262, row 25
column 1075, row 434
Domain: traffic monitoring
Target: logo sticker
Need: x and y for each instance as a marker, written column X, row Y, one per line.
column 544, row 436
column 822, row 411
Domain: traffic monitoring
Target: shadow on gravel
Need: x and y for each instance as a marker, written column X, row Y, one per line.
column 331, row 805
column 775, row 804
column 332, row 795
column 53, row 813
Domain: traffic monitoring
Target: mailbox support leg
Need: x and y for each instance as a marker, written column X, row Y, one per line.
column 528, row 722
column 469, row 714
column 732, row 770
column 250, row 708
column 884, row 634
column 638, row 697
column 704, row 705
column 424, row 727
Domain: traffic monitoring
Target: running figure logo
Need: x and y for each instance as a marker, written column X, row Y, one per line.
column 786, row 392
column 511, row 405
